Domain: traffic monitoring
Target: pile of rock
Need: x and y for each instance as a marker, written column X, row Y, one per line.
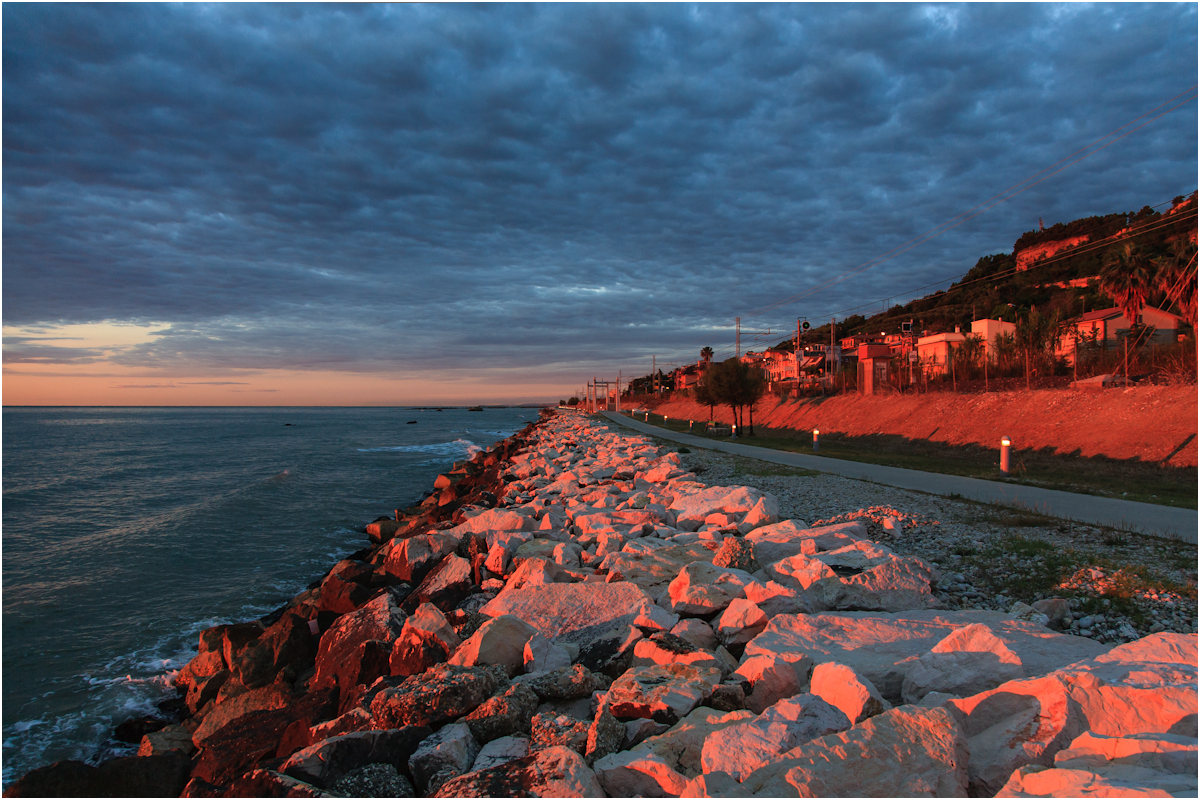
column 573, row 614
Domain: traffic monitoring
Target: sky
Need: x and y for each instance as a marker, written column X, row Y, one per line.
column 364, row 204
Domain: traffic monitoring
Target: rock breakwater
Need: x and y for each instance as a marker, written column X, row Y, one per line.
column 572, row 613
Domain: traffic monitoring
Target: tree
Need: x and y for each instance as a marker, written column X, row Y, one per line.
column 1127, row 279
column 967, row 356
column 738, row 385
column 1036, row 335
column 703, row 394
column 1176, row 278
column 706, row 355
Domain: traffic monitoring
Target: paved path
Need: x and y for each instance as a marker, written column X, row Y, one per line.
column 1179, row 523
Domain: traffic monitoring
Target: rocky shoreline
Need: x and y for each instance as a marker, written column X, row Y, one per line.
column 575, row 613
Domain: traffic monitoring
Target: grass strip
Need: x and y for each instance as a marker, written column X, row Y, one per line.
column 1124, row 479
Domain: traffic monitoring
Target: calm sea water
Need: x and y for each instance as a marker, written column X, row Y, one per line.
column 128, row 531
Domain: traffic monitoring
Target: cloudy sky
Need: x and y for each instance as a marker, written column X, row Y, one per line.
column 363, row 204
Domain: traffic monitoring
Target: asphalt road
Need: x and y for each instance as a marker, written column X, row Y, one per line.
column 1125, row 515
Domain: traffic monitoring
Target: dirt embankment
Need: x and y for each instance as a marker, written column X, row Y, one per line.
column 1151, row 423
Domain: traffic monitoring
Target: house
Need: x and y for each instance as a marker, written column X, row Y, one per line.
column 874, row 368
column 1106, row 327
column 853, row 342
column 990, row 330
column 1109, row 324
column 688, row 377
column 934, row 351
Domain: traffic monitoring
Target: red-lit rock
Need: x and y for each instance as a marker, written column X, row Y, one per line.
column 503, row 715
column 747, row 745
column 553, row 772
column 411, row 559
column 853, row 694
column 426, row 638
column 356, row 648
column 904, row 752
column 441, row 694
column 663, row 693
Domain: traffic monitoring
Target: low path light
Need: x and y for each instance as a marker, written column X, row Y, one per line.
column 816, row 439
column 1005, row 446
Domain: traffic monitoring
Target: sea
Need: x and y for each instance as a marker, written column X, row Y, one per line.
column 127, row 531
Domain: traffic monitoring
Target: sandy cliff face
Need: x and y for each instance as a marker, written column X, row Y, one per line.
column 1145, row 422
column 1027, row 257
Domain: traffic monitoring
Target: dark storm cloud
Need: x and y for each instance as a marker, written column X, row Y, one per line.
column 393, row 187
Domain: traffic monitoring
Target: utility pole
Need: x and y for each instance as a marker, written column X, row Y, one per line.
column 737, row 322
column 654, row 373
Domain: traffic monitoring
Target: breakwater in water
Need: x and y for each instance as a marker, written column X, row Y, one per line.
column 573, row 614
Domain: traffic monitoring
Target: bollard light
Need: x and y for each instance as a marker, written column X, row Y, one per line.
column 733, row 431
column 816, row 439
column 1005, row 445
column 647, row 416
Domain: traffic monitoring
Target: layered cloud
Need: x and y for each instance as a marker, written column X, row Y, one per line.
column 413, row 188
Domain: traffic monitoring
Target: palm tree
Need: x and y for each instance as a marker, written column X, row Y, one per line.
column 1127, row 279
column 1177, row 278
column 706, row 354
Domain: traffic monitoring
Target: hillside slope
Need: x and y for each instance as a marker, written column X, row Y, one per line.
column 1143, row 422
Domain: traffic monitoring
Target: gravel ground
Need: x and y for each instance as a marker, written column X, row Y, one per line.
column 1120, row 586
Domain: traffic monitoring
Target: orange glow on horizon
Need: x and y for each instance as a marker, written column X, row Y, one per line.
column 101, row 385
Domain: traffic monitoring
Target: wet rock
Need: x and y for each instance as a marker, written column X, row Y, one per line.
column 285, row 648
column 274, row 696
column 268, row 783
column 236, row 746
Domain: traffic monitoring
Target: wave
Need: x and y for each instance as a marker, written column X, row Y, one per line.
column 458, row 447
